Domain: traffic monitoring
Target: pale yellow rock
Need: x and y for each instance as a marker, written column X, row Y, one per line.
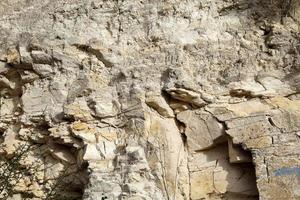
column 22, row 184
column 248, row 87
column 32, row 187
column 202, row 129
column 80, row 126
column 258, row 143
column 220, row 179
column 247, row 108
column 252, row 134
column 15, row 197
column 212, row 174
column 107, row 134
column 36, row 190
column 288, row 118
column 242, row 109
column 187, row 96
column 63, row 133
column 201, row 184
column 275, row 87
column 179, row 106
column 76, row 67
column 84, row 131
column 159, row 104
column 104, row 102
column 13, row 56
column 79, row 110
column 165, row 136
column 285, row 104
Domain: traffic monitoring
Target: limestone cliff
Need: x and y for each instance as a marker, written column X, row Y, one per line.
column 150, row 99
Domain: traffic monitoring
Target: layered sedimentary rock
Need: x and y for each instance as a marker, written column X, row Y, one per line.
column 130, row 99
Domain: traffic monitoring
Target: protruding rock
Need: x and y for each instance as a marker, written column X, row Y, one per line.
column 263, row 86
column 13, row 56
column 187, row 96
column 78, row 110
column 43, row 70
column 91, row 153
column 225, row 112
column 165, row 140
column 202, row 129
column 181, row 86
column 275, row 86
column 179, row 106
column 41, row 57
column 246, row 88
column 104, row 103
column 159, row 104
column 84, row 131
column 252, row 132
column 25, row 56
column 28, row 76
column 62, row 134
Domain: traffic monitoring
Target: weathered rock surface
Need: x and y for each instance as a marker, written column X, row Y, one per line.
column 138, row 99
column 201, row 129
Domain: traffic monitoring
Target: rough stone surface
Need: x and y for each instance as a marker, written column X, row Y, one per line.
column 150, row 100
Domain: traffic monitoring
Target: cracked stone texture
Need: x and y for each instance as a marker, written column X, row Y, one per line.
column 142, row 99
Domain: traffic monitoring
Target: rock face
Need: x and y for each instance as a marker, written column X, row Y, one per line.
column 149, row 100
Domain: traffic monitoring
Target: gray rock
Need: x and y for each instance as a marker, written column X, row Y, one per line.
column 41, row 57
